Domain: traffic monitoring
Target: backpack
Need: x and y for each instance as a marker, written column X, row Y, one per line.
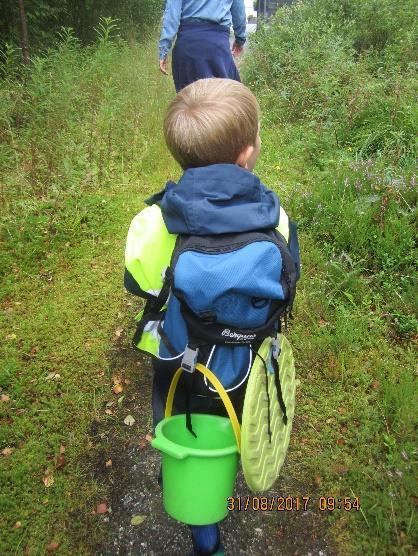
column 222, row 295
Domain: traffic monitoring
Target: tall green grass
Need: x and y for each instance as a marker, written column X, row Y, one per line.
column 73, row 124
column 337, row 85
column 81, row 146
column 338, row 79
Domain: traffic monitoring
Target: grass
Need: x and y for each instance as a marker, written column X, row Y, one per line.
column 81, row 147
column 338, row 115
column 357, row 397
column 66, row 216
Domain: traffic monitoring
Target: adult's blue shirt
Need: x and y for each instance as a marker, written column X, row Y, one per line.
column 223, row 12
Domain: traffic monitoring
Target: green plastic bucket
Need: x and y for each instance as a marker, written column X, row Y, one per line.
column 198, row 473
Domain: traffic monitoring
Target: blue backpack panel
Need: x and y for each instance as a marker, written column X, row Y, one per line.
column 227, row 293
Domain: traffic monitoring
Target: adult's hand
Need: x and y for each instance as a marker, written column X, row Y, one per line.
column 164, row 66
column 237, row 49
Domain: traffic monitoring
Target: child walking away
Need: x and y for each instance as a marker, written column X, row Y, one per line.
column 202, row 46
column 215, row 256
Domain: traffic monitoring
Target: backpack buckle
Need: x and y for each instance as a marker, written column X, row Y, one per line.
column 188, row 363
column 275, row 348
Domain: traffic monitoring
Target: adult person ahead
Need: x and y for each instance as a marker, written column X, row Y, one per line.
column 202, row 46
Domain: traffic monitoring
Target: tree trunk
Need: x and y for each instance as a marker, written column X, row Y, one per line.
column 23, row 32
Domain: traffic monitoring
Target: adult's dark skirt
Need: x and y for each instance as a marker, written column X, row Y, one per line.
column 202, row 50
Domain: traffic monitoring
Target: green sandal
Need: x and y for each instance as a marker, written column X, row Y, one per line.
column 264, row 435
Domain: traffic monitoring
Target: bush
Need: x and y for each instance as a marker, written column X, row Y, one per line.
column 347, row 68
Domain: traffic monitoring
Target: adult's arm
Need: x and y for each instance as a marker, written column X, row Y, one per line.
column 171, row 23
column 239, row 21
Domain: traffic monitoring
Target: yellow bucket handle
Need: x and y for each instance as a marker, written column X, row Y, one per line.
column 218, row 387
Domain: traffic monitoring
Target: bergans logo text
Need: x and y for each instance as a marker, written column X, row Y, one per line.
column 237, row 336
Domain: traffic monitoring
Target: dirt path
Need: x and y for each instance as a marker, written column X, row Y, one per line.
column 131, row 482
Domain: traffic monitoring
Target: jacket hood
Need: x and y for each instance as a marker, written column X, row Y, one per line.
column 217, row 199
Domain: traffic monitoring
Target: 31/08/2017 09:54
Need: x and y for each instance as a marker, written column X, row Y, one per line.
column 291, row 503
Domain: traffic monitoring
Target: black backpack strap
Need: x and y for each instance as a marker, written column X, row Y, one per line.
column 275, row 362
column 188, row 380
column 153, row 307
column 165, row 339
column 255, row 352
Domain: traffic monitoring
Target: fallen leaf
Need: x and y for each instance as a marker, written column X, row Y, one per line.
column 318, row 480
column 129, row 420
column 108, row 412
column 341, row 441
column 60, row 461
column 343, row 429
column 109, row 463
column 101, row 508
column 142, row 443
column 48, row 480
column 11, row 337
column 375, row 385
column 341, row 470
column 138, row 519
column 118, row 332
column 341, row 410
column 17, row 525
column 117, row 389
column 53, row 546
column 404, row 455
column 50, row 375
column 4, row 398
column 7, row 451
column 127, row 381
column 33, row 351
column 120, row 400
column 109, row 404
column 149, row 437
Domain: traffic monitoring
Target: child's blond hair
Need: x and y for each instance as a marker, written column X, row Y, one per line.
column 211, row 121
